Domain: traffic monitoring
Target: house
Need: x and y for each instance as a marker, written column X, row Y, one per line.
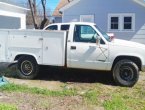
column 12, row 16
column 124, row 18
column 57, row 14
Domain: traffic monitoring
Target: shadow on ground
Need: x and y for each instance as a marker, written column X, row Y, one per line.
column 75, row 75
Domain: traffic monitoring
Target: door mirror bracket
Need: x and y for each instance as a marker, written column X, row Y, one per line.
column 98, row 40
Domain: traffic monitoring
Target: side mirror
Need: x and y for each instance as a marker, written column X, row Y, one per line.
column 111, row 35
column 98, row 40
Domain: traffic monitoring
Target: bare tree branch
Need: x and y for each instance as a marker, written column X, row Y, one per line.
column 35, row 16
column 32, row 13
column 44, row 14
column 44, row 8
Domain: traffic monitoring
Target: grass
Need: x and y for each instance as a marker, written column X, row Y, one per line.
column 116, row 103
column 7, row 107
column 119, row 102
column 108, row 97
column 91, row 97
column 35, row 90
column 126, row 99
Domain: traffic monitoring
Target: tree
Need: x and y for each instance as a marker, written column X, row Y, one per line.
column 33, row 11
column 44, row 14
column 37, row 15
column 33, row 8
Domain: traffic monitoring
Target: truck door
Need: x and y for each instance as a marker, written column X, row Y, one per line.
column 83, row 51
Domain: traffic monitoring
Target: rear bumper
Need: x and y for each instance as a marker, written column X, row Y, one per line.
column 143, row 68
column 6, row 65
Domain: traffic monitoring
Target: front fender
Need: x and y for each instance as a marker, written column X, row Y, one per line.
column 113, row 58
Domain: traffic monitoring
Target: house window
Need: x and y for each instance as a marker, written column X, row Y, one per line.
column 114, row 22
column 121, row 22
column 87, row 18
column 127, row 22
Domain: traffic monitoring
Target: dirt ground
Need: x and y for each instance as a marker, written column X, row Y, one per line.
column 55, row 79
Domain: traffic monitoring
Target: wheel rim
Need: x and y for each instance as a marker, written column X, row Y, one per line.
column 126, row 73
column 26, row 67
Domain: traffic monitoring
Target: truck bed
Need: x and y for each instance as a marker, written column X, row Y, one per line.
column 47, row 47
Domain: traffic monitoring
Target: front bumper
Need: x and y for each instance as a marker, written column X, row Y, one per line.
column 143, row 68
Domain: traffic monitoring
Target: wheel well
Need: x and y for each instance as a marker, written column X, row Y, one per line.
column 136, row 60
column 23, row 55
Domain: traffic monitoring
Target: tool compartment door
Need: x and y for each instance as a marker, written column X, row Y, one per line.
column 54, row 48
column 25, row 42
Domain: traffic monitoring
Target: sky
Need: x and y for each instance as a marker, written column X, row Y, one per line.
column 52, row 4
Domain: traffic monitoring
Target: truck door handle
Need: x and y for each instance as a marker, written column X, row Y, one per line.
column 73, row 47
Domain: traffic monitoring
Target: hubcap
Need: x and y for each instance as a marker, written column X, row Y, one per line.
column 126, row 73
column 26, row 67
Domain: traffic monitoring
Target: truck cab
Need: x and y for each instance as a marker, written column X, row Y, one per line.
column 82, row 51
column 87, row 47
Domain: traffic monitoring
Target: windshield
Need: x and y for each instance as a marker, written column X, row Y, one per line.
column 104, row 34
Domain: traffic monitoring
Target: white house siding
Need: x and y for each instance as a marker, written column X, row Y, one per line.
column 101, row 10
column 58, row 19
column 140, row 35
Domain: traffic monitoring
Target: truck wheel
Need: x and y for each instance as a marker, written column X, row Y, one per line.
column 28, row 67
column 125, row 73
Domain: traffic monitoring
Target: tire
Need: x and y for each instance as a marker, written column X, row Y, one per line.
column 125, row 73
column 28, row 67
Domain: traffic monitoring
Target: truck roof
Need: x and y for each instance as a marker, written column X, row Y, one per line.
column 69, row 23
column 74, row 23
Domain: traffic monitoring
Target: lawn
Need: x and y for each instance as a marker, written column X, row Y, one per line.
column 74, row 96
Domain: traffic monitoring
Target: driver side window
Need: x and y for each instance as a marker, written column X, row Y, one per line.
column 85, row 33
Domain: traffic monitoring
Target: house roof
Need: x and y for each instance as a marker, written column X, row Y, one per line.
column 69, row 5
column 12, row 8
column 60, row 5
column 141, row 2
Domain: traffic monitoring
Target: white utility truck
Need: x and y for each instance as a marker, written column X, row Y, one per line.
column 83, row 46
